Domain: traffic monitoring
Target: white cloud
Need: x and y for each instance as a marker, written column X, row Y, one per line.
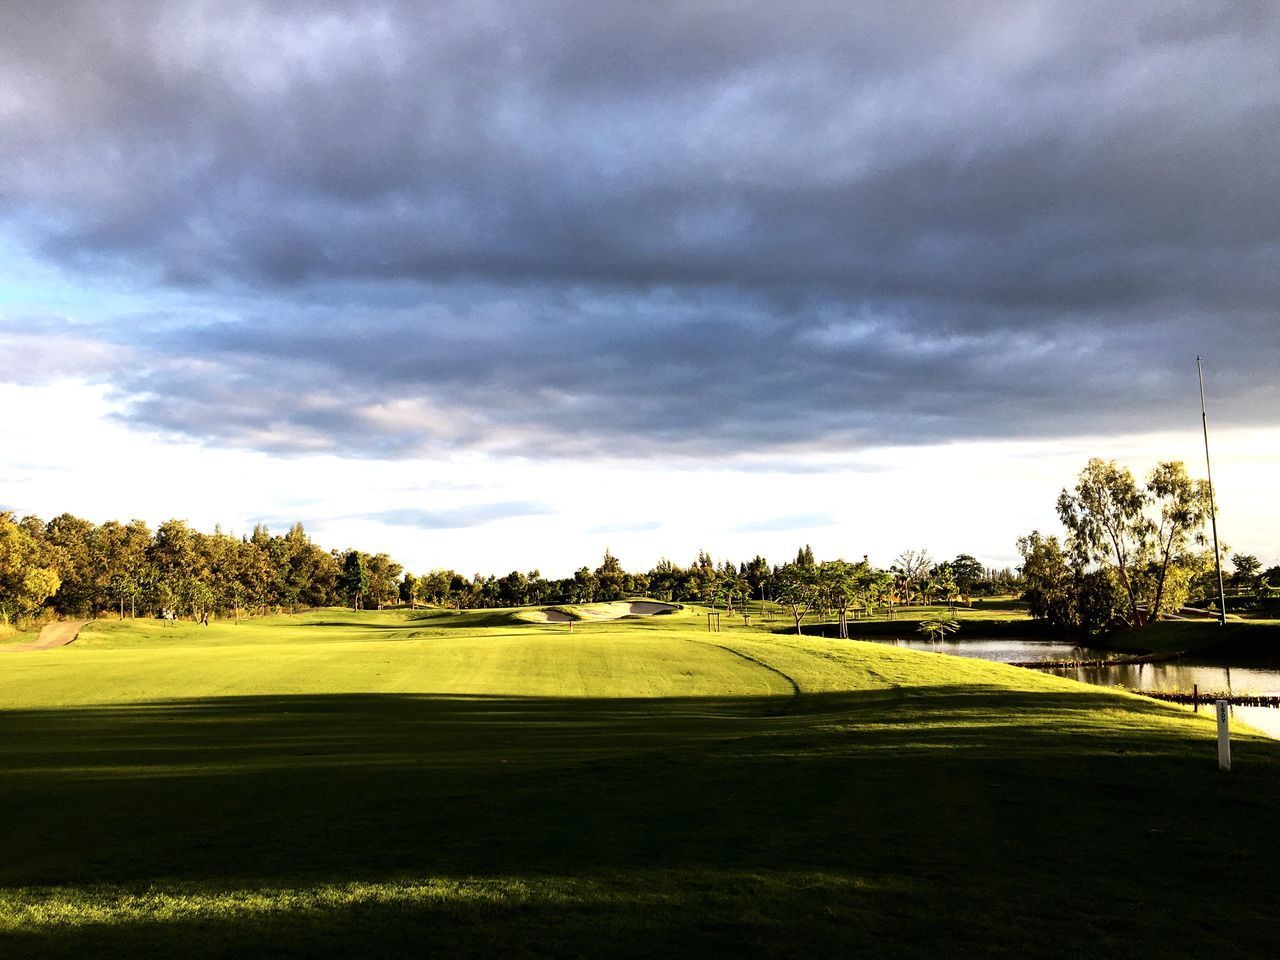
column 64, row 452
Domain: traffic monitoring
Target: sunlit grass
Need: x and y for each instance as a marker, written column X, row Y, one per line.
column 335, row 784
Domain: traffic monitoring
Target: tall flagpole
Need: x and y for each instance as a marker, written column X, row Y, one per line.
column 1213, row 512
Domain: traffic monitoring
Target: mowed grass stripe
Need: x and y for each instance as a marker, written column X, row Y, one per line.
column 533, row 665
column 463, row 786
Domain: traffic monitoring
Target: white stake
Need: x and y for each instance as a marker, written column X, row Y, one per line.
column 1224, row 737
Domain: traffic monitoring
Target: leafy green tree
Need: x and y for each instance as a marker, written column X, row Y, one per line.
column 797, row 586
column 1182, row 507
column 967, row 572
column 1106, row 523
column 610, row 578
column 759, row 576
column 384, row 574
column 1060, row 591
column 1247, row 573
column 911, row 569
column 844, row 584
column 409, row 590
column 27, row 579
column 71, row 540
column 584, row 585
column 354, row 580
column 938, row 627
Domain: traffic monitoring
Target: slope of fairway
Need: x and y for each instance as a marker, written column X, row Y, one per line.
column 468, row 785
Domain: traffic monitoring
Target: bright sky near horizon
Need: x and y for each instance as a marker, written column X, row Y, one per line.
column 494, row 286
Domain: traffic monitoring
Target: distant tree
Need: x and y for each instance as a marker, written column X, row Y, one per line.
column 610, row 578
column 1247, row 574
column 1142, row 536
column 384, row 576
column 844, row 584
column 1105, row 523
column 584, row 585
column 911, row 568
column 409, row 590
column 967, row 572
column 71, row 540
column 354, row 581
column 1182, row 507
column 797, row 586
column 939, row 584
column 513, row 589
column 758, row 576
column 1061, row 592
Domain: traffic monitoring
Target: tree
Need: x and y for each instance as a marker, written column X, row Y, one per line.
column 610, row 578
column 1143, row 537
column 1247, row 574
column 584, row 585
column 354, row 581
column 938, row 627
column 1105, row 523
column 968, row 573
column 940, row 584
column 71, row 539
column 844, row 584
column 1183, row 506
column 758, row 576
column 1061, row 592
column 384, row 574
column 27, row 579
column 911, row 568
column 409, row 591
column 797, row 586
column 1270, row 581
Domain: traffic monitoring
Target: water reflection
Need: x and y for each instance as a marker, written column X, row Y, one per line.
column 1181, row 676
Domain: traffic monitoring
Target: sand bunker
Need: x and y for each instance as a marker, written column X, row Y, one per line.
column 600, row 611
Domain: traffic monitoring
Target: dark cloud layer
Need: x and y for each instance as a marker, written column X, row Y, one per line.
column 583, row 228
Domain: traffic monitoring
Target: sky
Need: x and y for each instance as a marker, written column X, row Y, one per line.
column 496, row 285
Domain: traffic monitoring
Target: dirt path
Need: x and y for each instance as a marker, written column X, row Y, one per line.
column 52, row 635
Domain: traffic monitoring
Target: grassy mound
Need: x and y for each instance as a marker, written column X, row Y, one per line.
column 1237, row 640
column 470, row 785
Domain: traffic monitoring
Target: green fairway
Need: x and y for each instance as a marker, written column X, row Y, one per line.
column 448, row 784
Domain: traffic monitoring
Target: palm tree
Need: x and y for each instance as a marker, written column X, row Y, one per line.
column 937, row 627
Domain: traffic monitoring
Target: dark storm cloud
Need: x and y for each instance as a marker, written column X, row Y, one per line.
column 573, row 228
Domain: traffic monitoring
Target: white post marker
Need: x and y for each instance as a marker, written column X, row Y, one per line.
column 1224, row 737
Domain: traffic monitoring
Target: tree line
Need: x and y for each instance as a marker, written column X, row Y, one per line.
column 1133, row 551
column 69, row 566
column 72, row 567
column 803, row 585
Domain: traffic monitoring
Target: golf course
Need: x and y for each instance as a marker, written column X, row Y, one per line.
column 474, row 784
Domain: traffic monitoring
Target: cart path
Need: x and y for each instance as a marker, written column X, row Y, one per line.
column 52, row 635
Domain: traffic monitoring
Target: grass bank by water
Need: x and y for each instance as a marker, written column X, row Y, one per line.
column 1235, row 641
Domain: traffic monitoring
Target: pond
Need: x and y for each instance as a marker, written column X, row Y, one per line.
column 1180, row 675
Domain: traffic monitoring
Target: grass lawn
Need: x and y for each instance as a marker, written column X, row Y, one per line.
column 1240, row 640
column 467, row 785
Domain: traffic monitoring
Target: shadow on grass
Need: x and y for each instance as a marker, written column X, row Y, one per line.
column 967, row 800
